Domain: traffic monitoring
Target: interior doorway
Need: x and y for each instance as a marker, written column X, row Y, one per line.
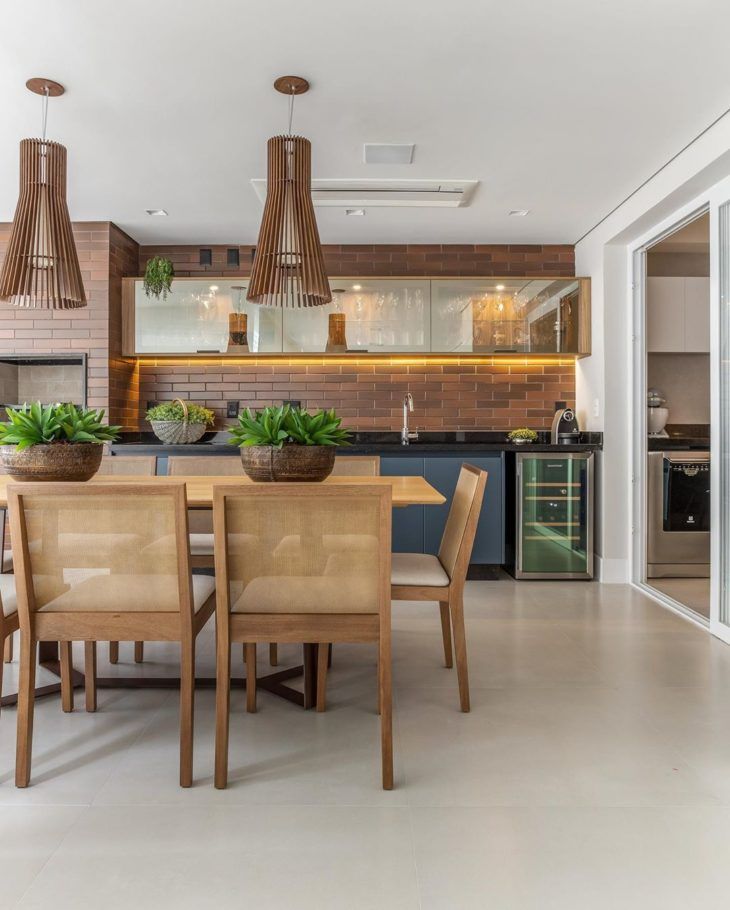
column 677, row 384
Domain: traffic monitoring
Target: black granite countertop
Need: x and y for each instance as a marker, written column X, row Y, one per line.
column 366, row 442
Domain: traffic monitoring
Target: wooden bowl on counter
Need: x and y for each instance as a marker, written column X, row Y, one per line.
column 56, row 461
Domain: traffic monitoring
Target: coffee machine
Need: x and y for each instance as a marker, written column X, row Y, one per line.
column 565, row 429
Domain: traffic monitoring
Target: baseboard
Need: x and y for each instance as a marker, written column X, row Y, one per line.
column 611, row 571
column 483, row 572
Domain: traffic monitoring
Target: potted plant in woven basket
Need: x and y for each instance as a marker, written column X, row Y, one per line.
column 58, row 442
column 288, row 444
column 177, row 422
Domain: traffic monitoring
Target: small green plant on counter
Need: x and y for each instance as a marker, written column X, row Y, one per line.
column 173, row 410
column 285, row 425
column 158, row 277
column 522, row 434
column 33, row 425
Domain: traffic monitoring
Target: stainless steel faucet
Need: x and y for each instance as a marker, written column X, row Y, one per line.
column 407, row 436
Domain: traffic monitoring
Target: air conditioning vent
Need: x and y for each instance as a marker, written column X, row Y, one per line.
column 387, row 153
column 346, row 193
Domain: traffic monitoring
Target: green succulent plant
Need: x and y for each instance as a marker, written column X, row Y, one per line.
column 33, row 424
column 172, row 410
column 285, row 425
column 523, row 433
column 158, row 276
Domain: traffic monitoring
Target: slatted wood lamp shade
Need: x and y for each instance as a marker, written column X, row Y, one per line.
column 288, row 268
column 41, row 267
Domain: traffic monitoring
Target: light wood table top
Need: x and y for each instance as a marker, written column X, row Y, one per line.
column 406, row 491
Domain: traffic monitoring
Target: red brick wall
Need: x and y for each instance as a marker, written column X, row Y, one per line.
column 123, row 373
column 453, row 396
column 465, row 259
column 486, row 396
column 36, row 331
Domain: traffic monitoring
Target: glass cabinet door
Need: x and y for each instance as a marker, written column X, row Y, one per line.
column 508, row 316
column 371, row 316
column 195, row 318
column 555, row 522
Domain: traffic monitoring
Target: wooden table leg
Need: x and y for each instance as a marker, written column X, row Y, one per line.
column 310, row 674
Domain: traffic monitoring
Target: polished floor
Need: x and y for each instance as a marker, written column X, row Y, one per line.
column 694, row 593
column 593, row 772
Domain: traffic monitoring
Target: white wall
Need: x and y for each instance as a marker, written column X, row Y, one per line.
column 604, row 378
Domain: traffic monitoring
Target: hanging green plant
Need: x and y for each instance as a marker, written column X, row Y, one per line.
column 158, row 277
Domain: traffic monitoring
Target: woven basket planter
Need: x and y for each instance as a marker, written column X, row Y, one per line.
column 178, row 432
column 53, row 462
column 293, row 463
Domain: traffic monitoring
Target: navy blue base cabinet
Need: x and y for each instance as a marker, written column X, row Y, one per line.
column 418, row 529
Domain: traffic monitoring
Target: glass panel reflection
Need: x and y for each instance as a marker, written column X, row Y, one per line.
column 379, row 316
column 506, row 316
column 196, row 318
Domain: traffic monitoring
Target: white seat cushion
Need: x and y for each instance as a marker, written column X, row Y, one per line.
column 7, row 593
column 105, row 593
column 418, row 569
column 201, row 544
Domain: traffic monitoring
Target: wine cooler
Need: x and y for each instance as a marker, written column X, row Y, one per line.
column 553, row 516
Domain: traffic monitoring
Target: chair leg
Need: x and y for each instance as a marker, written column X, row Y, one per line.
column 456, row 606
column 385, row 689
column 446, row 633
column 90, row 674
column 26, row 703
column 8, row 649
column 273, row 654
column 113, row 652
column 222, row 705
column 187, row 710
column 138, row 652
column 322, row 654
column 67, row 688
column 251, row 678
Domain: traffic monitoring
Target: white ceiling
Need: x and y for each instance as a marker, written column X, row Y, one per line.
column 562, row 108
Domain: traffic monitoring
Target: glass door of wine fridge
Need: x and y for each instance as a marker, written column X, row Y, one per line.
column 554, row 515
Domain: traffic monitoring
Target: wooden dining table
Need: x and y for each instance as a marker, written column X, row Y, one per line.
column 406, row 491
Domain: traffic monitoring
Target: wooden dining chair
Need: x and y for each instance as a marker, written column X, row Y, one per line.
column 319, row 594
column 421, row 576
column 104, row 562
column 6, row 565
column 9, row 623
column 200, row 521
column 357, row 466
column 134, row 465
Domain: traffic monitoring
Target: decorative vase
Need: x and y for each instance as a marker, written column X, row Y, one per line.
column 57, row 461
column 336, row 339
column 292, row 462
column 237, row 333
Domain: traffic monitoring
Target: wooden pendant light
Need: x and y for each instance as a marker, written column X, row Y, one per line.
column 288, row 268
column 41, row 267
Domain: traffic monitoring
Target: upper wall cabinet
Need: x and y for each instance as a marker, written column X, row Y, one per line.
column 367, row 316
column 678, row 315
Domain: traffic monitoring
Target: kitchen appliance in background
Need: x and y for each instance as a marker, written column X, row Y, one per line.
column 550, row 516
column 678, row 543
column 657, row 416
column 565, row 429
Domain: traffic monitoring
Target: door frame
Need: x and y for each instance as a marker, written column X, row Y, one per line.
column 636, row 293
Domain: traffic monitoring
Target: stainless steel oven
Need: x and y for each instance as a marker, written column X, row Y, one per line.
column 678, row 543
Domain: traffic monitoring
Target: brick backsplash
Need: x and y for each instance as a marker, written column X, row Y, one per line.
column 453, row 396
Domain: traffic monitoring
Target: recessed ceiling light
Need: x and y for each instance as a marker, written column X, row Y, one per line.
column 500, row 287
column 354, row 211
column 158, row 212
column 357, row 287
column 387, row 153
column 519, row 213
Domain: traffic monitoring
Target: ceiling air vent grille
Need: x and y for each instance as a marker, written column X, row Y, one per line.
column 346, row 193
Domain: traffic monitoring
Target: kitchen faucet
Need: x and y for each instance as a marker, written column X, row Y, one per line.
column 407, row 436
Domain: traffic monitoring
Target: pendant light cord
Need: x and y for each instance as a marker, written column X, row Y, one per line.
column 291, row 109
column 44, row 118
